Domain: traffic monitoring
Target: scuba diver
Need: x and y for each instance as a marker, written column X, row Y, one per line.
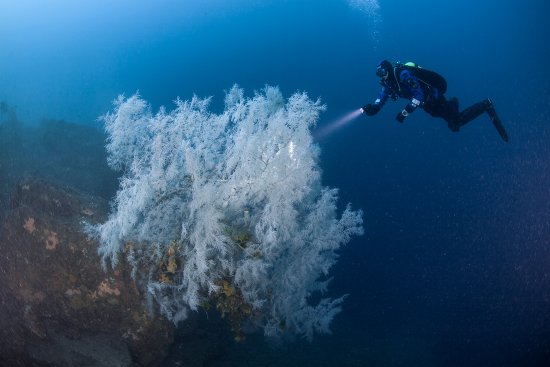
column 425, row 89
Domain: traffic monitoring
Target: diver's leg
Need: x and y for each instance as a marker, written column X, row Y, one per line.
column 477, row 109
column 490, row 108
column 449, row 112
column 453, row 105
column 473, row 112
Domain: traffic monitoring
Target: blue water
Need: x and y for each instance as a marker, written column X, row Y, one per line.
column 454, row 268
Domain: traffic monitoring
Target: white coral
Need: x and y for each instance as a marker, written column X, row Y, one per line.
column 189, row 174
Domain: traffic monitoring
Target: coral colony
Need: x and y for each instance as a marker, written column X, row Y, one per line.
column 227, row 210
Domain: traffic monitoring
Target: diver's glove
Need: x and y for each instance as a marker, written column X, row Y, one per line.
column 370, row 109
column 401, row 116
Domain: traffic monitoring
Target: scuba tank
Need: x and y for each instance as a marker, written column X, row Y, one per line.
column 430, row 79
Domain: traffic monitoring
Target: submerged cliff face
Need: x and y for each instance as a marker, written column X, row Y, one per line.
column 57, row 306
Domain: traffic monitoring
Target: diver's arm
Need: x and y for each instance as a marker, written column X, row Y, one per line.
column 413, row 85
column 409, row 108
column 372, row 109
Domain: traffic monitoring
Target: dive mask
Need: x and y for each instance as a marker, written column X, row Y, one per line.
column 381, row 72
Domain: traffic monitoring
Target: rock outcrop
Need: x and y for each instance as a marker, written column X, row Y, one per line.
column 57, row 306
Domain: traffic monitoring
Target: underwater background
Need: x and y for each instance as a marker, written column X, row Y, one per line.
column 454, row 266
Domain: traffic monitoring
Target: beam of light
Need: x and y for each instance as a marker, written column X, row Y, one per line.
column 336, row 125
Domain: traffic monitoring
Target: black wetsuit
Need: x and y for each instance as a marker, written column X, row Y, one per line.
column 449, row 111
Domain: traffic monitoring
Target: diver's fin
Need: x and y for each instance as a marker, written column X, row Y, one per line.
column 496, row 121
